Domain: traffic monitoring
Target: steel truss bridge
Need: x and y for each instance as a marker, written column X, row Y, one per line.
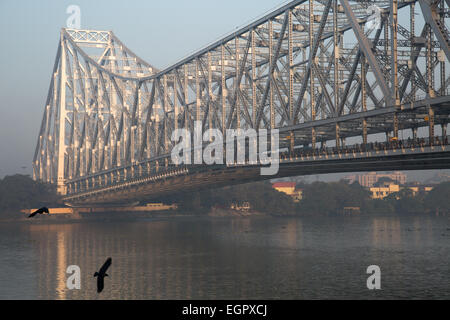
column 345, row 82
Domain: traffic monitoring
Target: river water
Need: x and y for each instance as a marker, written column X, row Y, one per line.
column 228, row 258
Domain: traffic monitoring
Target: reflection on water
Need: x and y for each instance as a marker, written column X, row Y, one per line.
column 236, row 258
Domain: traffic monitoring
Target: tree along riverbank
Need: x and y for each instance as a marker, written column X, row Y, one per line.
column 319, row 199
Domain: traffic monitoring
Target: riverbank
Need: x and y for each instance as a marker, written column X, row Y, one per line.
column 20, row 216
column 14, row 217
column 318, row 199
column 77, row 216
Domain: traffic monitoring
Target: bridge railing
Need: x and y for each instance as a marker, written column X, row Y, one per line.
column 371, row 146
column 123, row 177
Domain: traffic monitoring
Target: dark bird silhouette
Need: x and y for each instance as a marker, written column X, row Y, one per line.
column 40, row 211
column 101, row 274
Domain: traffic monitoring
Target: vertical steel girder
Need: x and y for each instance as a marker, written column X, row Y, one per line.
column 394, row 53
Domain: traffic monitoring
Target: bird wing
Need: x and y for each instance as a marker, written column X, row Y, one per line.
column 105, row 266
column 100, row 284
column 45, row 209
column 33, row 214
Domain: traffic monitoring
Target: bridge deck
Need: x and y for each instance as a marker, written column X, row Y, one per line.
column 404, row 155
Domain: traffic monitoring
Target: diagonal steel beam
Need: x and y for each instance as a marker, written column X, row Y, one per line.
column 272, row 68
column 432, row 18
column 368, row 53
column 133, row 121
column 312, row 55
column 47, row 102
column 238, row 78
column 358, row 78
column 324, row 89
column 149, row 114
column 349, row 82
column 414, row 57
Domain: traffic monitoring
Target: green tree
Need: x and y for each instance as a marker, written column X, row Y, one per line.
column 20, row 192
column 405, row 201
column 330, row 198
column 438, row 198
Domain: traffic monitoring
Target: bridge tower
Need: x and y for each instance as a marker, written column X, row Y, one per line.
column 93, row 82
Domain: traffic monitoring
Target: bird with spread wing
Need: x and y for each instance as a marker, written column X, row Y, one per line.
column 40, row 211
column 101, row 274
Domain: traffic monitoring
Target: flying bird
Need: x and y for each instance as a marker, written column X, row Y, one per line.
column 101, row 274
column 40, row 211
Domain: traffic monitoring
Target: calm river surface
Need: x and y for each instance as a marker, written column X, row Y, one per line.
column 229, row 258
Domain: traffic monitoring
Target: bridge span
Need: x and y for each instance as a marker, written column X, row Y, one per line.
column 347, row 85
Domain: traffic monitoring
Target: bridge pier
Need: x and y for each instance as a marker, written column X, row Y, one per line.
column 291, row 144
column 431, row 125
column 414, row 133
column 395, row 130
column 444, row 130
column 338, row 138
column 364, row 125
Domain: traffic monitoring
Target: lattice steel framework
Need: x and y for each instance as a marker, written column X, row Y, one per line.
column 310, row 61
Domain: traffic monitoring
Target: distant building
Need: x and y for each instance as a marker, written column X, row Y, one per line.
column 160, row 206
column 244, row 207
column 417, row 188
column 384, row 190
column 298, row 195
column 289, row 188
column 368, row 180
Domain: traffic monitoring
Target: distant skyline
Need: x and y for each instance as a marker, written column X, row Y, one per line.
column 160, row 32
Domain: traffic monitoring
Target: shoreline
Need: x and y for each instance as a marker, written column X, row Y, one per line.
column 20, row 217
column 175, row 214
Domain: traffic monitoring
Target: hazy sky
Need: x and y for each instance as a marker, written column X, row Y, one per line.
column 160, row 32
